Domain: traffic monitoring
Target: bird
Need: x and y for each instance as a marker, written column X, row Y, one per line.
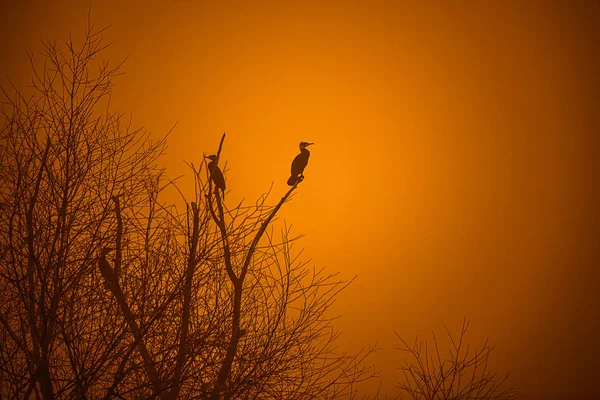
column 299, row 164
column 105, row 268
column 216, row 174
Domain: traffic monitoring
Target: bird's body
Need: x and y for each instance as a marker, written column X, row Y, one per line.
column 216, row 174
column 298, row 165
column 105, row 268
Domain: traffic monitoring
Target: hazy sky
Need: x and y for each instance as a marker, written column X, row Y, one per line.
column 455, row 166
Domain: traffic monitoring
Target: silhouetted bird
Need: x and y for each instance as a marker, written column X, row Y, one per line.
column 216, row 174
column 105, row 268
column 299, row 164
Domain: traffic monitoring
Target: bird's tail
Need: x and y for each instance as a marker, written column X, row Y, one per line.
column 292, row 180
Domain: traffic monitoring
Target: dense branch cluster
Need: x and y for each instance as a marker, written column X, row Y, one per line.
column 108, row 291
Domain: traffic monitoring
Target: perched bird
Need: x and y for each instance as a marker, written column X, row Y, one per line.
column 215, row 173
column 105, row 268
column 299, row 164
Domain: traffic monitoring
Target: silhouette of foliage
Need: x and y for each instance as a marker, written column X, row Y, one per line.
column 108, row 291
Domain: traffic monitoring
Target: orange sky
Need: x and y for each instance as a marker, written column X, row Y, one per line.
column 455, row 168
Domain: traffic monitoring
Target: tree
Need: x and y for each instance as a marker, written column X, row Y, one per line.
column 460, row 374
column 109, row 291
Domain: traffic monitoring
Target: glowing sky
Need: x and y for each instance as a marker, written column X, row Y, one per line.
column 455, row 165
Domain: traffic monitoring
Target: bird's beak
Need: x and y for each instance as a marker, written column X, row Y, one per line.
column 308, row 144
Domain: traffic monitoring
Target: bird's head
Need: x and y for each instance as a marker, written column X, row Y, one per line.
column 212, row 157
column 304, row 145
column 106, row 250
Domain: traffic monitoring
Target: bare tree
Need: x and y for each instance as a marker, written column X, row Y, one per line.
column 461, row 373
column 250, row 317
column 62, row 163
column 108, row 291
